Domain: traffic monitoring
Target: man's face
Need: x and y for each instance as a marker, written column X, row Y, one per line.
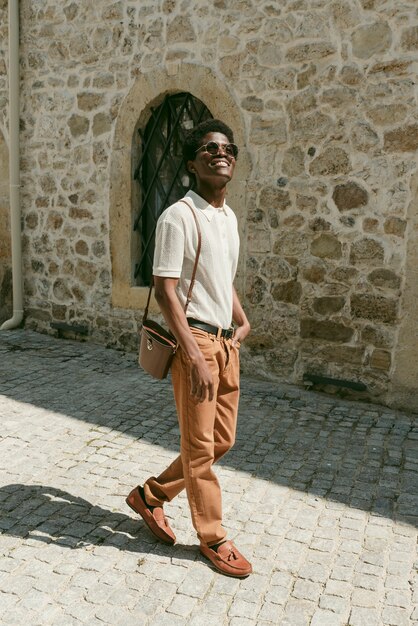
column 213, row 169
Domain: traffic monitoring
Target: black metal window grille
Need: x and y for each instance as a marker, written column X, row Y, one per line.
column 160, row 172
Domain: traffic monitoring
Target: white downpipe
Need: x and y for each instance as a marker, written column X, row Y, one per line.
column 14, row 167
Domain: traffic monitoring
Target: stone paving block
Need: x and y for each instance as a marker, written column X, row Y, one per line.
column 307, row 590
column 335, row 604
column 398, row 598
column 314, row 572
column 270, row 613
column 197, row 582
column 199, row 619
column 339, row 588
column 182, row 605
column 243, row 609
column 326, row 618
column 393, row 616
column 277, row 595
column 298, row 613
column 20, row 615
column 364, row 617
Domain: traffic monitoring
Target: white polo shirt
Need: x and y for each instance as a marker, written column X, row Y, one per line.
column 175, row 253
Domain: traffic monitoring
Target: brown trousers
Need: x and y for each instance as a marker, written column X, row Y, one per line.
column 207, row 432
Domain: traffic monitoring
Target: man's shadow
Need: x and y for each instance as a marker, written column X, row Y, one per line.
column 54, row 516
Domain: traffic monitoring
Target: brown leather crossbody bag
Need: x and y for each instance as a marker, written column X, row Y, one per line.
column 157, row 345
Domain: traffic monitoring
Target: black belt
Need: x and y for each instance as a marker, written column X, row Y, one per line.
column 228, row 333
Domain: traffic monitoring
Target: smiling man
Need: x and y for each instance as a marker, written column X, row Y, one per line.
column 205, row 370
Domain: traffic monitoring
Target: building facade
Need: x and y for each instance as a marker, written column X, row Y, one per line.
column 322, row 96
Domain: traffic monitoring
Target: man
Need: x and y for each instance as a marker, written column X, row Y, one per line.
column 205, row 369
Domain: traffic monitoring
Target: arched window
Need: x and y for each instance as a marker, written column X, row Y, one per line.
column 160, row 177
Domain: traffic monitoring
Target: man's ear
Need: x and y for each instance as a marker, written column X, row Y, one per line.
column 190, row 167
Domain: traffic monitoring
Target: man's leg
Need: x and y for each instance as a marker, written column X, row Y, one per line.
column 171, row 481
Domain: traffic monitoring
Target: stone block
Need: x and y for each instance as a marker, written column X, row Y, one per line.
column 306, row 203
column 409, row 38
column 392, row 67
column 313, row 270
column 311, row 328
column 276, row 268
column 289, row 291
column 86, row 272
column 395, row 226
column 326, row 246
column 252, row 103
column 302, row 102
column 370, row 224
column 364, row 137
column 379, row 337
column 81, row 247
column 88, row 101
column 301, row 53
column 332, row 161
column 55, row 220
column 294, row 221
column 61, row 291
column 376, row 308
column 270, row 54
column 101, row 124
column 78, row 125
column 381, row 359
column 371, row 39
column 318, row 224
column 31, row 221
column 387, row 114
column 256, row 289
column 285, row 79
column 339, row 96
column 352, row 355
column 350, row 196
column 293, row 161
column 265, row 130
column 312, row 127
column 304, row 77
column 79, row 213
column 259, row 240
column 273, row 198
column 367, row 251
column 351, row 75
column 345, row 274
column 403, row 139
column 291, row 244
column 327, row 305
column 384, row 278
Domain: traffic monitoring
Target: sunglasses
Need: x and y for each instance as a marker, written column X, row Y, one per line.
column 213, row 148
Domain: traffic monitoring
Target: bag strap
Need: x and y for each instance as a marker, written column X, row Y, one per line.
column 190, row 291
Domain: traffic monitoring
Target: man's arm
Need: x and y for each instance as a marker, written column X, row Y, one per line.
column 174, row 315
column 239, row 317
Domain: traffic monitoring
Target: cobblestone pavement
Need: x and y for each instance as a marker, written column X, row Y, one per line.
column 320, row 493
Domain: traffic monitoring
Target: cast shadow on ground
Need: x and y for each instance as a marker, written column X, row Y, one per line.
column 53, row 516
column 360, row 455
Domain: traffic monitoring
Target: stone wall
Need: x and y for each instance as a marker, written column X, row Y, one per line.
column 326, row 100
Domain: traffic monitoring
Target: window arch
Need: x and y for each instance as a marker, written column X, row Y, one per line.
column 160, row 176
column 125, row 192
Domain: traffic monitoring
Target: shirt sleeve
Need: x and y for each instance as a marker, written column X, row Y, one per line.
column 169, row 249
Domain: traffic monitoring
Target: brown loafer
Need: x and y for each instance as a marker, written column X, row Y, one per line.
column 228, row 560
column 153, row 517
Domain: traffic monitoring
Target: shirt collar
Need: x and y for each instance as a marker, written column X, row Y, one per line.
column 207, row 209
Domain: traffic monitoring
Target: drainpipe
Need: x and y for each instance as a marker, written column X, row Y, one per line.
column 14, row 167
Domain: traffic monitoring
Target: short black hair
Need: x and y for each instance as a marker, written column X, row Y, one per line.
column 193, row 139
